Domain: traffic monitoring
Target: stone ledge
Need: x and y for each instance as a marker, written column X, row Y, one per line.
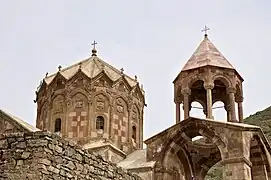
column 236, row 160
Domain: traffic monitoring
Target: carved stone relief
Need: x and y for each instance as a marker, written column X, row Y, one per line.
column 121, row 87
column 100, row 102
column 79, row 104
column 134, row 113
column 120, row 107
column 59, row 106
column 100, row 105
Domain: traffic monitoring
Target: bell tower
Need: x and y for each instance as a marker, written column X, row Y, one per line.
column 206, row 78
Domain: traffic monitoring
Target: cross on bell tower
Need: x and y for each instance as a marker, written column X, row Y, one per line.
column 205, row 30
column 206, row 78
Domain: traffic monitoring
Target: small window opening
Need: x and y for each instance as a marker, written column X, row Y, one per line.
column 100, row 123
column 58, row 125
column 134, row 132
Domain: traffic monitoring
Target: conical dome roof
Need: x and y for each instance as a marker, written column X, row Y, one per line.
column 207, row 55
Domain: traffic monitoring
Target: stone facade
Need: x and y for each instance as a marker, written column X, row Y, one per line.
column 242, row 149
column 90, row 101
column 42, row 155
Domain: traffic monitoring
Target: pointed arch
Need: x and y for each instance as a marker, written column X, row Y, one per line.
column 95, row 94
column 81, row 91
column 101, row 75
column 58, row 76
column 79, row 74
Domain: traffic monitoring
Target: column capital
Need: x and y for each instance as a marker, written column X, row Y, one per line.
column 209, row 85
column 239, row 99
column 186, row 91
column 231, row 90
column 177, row 100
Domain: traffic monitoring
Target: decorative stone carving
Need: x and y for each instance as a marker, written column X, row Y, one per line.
column 120, row 108
column 134, row 113
column 59, row 107
column 79, row 104
column 100, row 97
column 100, row 105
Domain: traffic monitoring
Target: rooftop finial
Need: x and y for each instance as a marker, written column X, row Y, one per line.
column 135, row 77
column 121, row 70
column 80, row 65
column 46, row 74
column 59, row 68
column 205, row 30
column 94, row 51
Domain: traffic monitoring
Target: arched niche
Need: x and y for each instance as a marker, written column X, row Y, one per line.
column 260, row 169
column 101, row 103
column 120, row 123
column 78, row 116
column 58, row 110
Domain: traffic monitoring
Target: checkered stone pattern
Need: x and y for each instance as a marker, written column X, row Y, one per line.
column 120, row 129
column 78, row 124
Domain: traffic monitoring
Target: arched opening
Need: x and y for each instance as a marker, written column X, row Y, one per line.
column 192, row 159
column 134, row 133
column 260, row 165
column 100, row 123
column 197, row 110
column 215, row 172
column 58, row 125
column 197, row 100
column 219, row 112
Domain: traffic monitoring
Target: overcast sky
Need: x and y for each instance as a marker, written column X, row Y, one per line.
column 148, row 38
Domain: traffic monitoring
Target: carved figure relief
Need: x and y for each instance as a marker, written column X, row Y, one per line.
column 101, row 102
column 120, row 108
column 100, row 105
column 59, row 106
column 79, row 104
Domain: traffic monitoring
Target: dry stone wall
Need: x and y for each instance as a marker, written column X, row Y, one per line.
column 42, row 155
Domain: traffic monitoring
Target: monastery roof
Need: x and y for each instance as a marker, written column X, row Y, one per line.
column 100, row 144
column 91, row 67
column 20, row 122
column 209, row 121
column 137, row 159
column 207, row 55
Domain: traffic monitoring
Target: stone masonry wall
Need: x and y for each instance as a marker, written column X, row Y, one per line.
column 42, row 155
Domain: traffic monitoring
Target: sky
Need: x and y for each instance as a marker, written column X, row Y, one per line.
column 149, row 38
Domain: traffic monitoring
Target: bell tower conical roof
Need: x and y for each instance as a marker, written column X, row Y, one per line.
column 207, row 55
column 206, row 78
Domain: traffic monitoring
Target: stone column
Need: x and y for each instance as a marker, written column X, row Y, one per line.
column 186, row 92
column 178, row 112
column 240, row 110
column 209, row 87
column 236, row 169
column 227, row 108
column 231, row 92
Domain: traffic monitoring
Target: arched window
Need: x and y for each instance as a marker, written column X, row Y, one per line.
column 58, row 125
column 100, row 123
column 134, row 132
